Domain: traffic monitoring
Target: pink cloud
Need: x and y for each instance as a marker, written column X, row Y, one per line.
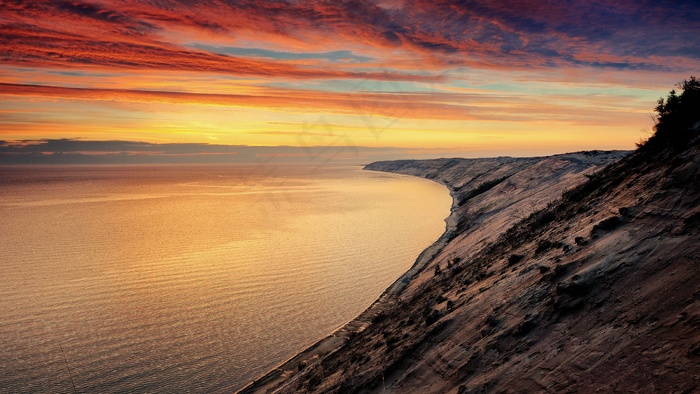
column 528, row 33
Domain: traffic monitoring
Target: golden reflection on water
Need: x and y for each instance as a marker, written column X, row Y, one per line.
column 194, row 278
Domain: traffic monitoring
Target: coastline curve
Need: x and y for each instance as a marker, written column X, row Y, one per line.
column 282, row 375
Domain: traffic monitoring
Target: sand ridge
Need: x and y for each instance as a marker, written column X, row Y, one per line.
column 596, row 292
column 487, row 195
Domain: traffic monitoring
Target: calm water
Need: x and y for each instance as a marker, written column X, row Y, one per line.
column 192, row 278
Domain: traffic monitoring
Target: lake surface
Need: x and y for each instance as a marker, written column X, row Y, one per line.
column 192, row 278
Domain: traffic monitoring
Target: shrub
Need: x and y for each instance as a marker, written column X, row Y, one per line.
column 434, row 316
column 543, row 246
column 492, row 320
column 515, row 259
column 608, row 224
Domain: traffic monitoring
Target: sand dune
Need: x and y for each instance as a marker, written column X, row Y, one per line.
column 597, row 292
column 488, row 196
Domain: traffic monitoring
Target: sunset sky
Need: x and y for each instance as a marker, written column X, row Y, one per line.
column 423, row 77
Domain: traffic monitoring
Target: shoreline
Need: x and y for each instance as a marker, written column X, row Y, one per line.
column 336, row 339
column 490, row 193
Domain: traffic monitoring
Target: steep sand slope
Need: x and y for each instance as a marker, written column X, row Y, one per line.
column 597, row 292
column 491, row 194
column 488, row 194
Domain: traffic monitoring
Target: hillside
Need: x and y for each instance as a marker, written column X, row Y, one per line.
column 597, row 292
column 537, row 285
column 487, row 194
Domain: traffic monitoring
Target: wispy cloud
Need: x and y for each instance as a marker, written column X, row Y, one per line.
column 333, row 56
column 410, row 105
column 154, row 35
column 431, row 60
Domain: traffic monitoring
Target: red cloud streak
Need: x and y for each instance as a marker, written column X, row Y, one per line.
column 410, row 105
column 486, row 33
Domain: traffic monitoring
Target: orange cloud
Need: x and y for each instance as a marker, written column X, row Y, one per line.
column 128, row 34
column 409, row 105
column 502, row 64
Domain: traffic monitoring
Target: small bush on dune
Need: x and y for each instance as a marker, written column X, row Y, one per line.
column 608, row 224
column 515, row 259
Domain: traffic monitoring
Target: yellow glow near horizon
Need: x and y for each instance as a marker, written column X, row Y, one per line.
column 260, row 126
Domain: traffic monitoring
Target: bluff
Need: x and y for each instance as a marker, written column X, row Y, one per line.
column 538, row 285
column 598, row 291
column 488, row 195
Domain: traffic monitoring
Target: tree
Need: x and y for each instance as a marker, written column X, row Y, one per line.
column 678, row 113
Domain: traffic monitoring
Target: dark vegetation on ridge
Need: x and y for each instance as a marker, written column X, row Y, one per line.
column 598, row 291
column 677, row 117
